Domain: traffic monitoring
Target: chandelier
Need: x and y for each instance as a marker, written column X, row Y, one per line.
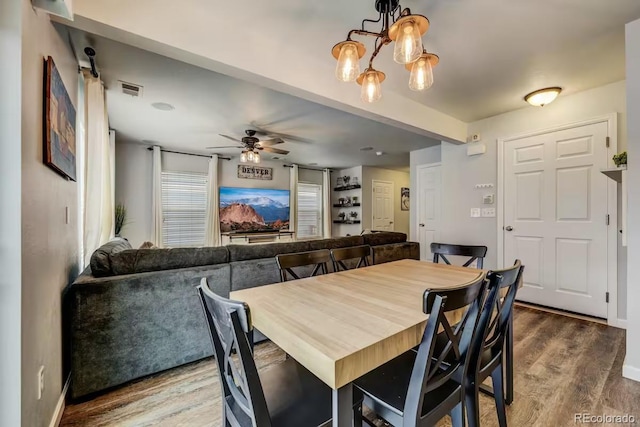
column 400, row 26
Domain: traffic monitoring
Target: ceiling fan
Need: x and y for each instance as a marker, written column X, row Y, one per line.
column 252, row 146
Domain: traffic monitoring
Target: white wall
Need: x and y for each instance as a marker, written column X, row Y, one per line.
column 49, row 245
column 134, row 164
column 460, row 172
column 10, row 229
column 417, row 158
column 399, row 180
column 632, row 362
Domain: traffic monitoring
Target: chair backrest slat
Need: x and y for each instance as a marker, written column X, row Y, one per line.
column 440, row 250
column 231, row 333
column 436, row 365
column 318, row 259
column 359, row 253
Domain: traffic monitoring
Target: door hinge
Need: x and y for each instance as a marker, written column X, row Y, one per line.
column 608, row 219
column 607, row 297
column 608, row 142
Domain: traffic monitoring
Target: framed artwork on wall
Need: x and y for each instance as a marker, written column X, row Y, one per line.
column 59, row 151
column 404, row 199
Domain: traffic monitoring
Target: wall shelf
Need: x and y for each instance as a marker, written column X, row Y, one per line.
column 614, row 173
column 619, row 175
column 354, row 205
column 339, row 221
column 347, row 187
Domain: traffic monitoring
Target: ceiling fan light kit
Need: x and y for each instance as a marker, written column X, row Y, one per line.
column 542, row 97
column 251, row 146
column 399, row 26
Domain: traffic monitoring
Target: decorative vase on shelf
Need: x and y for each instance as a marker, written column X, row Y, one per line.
column 346, row 180
column 354, row 199
column 342, row 215
column 355, row 181
column 340, row 182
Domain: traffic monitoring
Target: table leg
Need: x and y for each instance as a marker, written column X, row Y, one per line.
column 509, row 362
column 343, row 406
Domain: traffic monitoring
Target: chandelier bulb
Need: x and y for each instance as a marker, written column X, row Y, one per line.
column 243, row 157
column 348, row 67
column 421, row 77
column 256, row 157
column 408, row 46
column 371, row 89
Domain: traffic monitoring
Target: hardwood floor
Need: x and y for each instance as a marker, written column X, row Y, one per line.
column 563, row 366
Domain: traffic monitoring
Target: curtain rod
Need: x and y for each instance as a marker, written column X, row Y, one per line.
column 309, row 169
column 188, row 154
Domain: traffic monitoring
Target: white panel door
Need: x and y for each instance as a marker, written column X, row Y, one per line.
column 382, row 206
column 428, row 203
column 555, row 217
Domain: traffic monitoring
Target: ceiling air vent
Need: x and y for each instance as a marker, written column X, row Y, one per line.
column 131, row 89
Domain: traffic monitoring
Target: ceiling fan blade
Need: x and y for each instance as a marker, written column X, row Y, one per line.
column 270, row 142
column 224, row 146
column 275, row 150
column 231, row 138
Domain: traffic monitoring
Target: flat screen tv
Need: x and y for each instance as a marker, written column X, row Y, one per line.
column 253, row 209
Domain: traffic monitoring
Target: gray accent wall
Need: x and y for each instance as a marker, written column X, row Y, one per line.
column 10, row 239
column 50, row 255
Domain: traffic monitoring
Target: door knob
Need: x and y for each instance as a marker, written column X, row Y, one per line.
column 508, row 228
column 421, row 225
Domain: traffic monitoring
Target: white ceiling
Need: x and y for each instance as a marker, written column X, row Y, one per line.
column 492, row 53
column 208, row 104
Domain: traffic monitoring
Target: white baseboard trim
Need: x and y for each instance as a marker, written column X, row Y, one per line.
column 618, row 323
column 631, row 372
column 57, row 414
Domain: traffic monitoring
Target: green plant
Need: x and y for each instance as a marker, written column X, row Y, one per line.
column 620, row 159
column 120, row 218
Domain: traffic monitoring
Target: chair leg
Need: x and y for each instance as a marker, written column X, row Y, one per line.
column 508, row 352
column 472, row 405
column 498, row 391
column 357, row 415
column 457, row 415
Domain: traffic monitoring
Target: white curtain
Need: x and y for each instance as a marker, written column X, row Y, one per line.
column 293, row 199
column 156, row 199
column 326, row 203
column 212, row 237
column 99, row 169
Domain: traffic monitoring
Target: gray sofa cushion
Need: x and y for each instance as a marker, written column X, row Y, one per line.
column 144, row 260
column 384, row 238
column 101, row 259
column 396, row 252
column 268, row 250
column 126, row 327
column 340, row 242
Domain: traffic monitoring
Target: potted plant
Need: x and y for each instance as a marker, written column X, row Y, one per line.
column 354, row 199
column 620, row 159
column 342, row 215
column 120, row 218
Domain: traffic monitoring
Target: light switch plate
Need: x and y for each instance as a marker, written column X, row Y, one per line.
column 488, row 212
column 475, row 212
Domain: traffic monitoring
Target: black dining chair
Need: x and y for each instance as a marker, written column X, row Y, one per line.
column 341, row 255
column 285, row 395
column 488, row 349
column 318, row 260
column 418, row 388
column 441, row 250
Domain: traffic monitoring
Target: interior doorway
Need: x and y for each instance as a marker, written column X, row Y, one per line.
column 382, row 206
column 429, row 189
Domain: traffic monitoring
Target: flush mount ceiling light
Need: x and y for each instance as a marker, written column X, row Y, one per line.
column 542, row 97
column 163, row 106
column 400, row 26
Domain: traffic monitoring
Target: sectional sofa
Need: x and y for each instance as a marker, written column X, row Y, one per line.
column 135, row 312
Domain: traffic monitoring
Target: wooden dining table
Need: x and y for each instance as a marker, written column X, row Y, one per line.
column 343, row 325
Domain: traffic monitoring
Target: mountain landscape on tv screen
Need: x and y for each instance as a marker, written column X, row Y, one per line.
column 253, row 209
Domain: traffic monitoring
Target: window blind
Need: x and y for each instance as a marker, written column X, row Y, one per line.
column 309, row 211
column 184, row 208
